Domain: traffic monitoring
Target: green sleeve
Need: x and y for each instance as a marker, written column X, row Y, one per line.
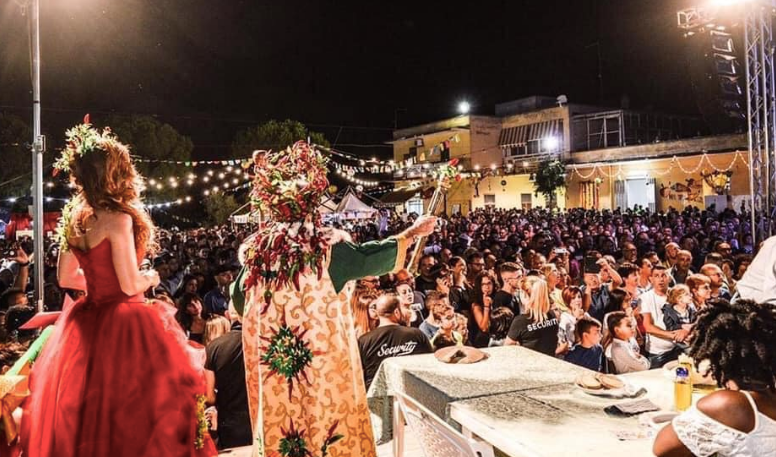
column 353, row 261
column 32, row 353
column 237, row 291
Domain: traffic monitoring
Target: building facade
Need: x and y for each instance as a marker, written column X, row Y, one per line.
column 614, row 159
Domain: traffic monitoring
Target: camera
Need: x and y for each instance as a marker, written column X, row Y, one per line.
column 9, row 253
column 561, row 251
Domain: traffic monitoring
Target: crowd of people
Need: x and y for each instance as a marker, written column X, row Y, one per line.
column 613, row 291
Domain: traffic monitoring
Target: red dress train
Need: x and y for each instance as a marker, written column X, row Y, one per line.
column 115, row 378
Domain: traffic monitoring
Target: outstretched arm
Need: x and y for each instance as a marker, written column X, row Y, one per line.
column 353, row 261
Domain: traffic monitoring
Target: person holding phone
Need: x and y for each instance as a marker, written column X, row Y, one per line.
column 596, row 293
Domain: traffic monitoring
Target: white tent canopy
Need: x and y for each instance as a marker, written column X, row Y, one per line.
column 352, row 208
column 327, row 207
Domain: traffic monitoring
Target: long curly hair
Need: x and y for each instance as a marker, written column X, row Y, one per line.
column 106, row 179
column 739, row 340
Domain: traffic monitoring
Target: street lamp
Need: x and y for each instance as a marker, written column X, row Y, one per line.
column 464, row 107
column 551, row 143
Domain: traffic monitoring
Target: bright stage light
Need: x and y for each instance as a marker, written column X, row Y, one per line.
column 464, row 107
column 551, row 143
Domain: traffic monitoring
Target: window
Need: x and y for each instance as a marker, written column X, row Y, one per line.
column 526, row 201
column 490, row 199
column 415, row 205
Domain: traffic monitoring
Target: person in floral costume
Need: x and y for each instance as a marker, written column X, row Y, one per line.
column 305, row 385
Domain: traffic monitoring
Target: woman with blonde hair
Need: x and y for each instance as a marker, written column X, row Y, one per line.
column 215, row 326
column 537, row 328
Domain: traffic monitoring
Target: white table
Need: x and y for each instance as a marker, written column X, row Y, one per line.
column 562, row 420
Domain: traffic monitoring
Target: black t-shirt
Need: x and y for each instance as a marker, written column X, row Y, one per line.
column 539, row 336
column 424, row 286
column 389, row 341
column 508, row 300
column 461, row 299
column 225, row 359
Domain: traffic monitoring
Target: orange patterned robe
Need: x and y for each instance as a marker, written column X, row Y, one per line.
column 322, row 409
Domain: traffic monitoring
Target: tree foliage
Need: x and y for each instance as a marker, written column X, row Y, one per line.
column 150, row 138
column 550, row 176
column 273, row 135
column 219, row 207
column 15, row 156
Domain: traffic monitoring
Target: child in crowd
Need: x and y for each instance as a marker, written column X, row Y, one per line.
column 587, row 352
column 620, row 346
column 679, row 311
column 499, row 326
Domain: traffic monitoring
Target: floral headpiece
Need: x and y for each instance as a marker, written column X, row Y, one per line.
column 289, row 184
column 81, row 140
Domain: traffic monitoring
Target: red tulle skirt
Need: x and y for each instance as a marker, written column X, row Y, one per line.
column 115, row 380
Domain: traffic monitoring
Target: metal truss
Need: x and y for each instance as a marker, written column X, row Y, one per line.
column 761, row 101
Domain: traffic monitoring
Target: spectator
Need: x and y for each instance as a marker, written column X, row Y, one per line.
column 679, row 273
column 446, row 335
column 500, row 322
column 363, row 302
column 475, row 265
column 510, row 276
column 596, row 293
column 718, row 287
column 425, row 280
column 644, row 283
column 552, row 276
column 215, row 326
column 629, row 253
column 679, row 312
column 630, row 279
column 439, row 308
column 482, row 306
column 191, row 316
column 368, row 282
column 672, row 251
column 700, row 288
column 189, row 284
column 391, row 338
column 217, row 300
column 573, row 311
column 587, row 352
column 226, row 388
column 460, row 290
column 537, row 329
column 620, row 345
column 660, row 343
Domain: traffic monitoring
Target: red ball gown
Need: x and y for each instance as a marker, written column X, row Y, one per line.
column 115, row 379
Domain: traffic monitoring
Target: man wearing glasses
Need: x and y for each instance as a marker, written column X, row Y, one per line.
column 510, row 278
column 475, row 266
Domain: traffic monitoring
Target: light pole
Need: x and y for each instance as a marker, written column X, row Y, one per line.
column 38, row 148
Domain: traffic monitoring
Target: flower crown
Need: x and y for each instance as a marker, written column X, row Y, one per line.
column 81, row 140
column 290, row 183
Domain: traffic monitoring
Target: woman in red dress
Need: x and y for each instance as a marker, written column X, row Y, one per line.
column 115, row 379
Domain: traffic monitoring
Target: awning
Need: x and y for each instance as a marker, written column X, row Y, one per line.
column 522, row 134
column 397, row 197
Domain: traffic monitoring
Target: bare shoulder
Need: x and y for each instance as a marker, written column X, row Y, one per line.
column 729, row 407
column 117, row 221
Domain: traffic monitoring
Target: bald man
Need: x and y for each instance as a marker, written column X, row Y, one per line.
column 392, row 337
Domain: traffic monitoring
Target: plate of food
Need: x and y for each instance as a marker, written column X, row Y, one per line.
column 604, row 385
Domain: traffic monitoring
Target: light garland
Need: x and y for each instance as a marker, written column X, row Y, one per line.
column 674, row 161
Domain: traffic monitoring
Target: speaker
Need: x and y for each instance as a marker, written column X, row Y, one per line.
column 717, row 74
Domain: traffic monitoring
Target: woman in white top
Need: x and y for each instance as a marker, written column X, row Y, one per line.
column 739, row 341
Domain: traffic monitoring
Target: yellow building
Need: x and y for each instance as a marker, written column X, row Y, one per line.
column 615, row 158
column 696, row 171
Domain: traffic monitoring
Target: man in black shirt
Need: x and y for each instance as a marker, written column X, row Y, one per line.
column 225, row 376
column 510, row 278
column 392, row 338
column 426, row 281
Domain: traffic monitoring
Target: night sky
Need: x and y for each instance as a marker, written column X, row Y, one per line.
column 210, row 68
